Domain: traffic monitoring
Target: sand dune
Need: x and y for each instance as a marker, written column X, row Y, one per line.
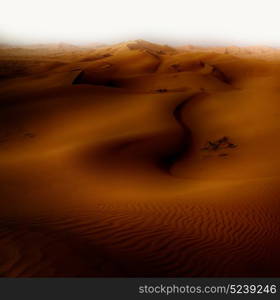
column 139, row 159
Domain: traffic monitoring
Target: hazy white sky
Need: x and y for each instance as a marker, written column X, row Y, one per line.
column 238, row 22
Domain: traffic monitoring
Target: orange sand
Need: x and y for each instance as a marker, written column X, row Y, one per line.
column 139, row 160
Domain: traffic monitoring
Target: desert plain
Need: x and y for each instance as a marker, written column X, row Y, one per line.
column 139, row 160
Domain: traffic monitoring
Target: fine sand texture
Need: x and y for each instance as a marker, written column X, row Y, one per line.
column 139, row 160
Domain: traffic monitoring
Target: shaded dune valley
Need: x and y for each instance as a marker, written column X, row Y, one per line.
column 139, row 160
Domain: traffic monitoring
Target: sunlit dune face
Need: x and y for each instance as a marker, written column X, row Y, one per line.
column 139, row 159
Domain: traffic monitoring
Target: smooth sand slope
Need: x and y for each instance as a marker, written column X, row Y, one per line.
column 139, row 160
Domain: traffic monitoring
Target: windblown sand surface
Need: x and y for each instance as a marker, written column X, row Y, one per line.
column 139, row 160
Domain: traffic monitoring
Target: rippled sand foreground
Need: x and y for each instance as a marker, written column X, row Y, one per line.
column 139, row 160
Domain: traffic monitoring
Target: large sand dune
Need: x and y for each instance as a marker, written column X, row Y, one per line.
column 139, row 160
